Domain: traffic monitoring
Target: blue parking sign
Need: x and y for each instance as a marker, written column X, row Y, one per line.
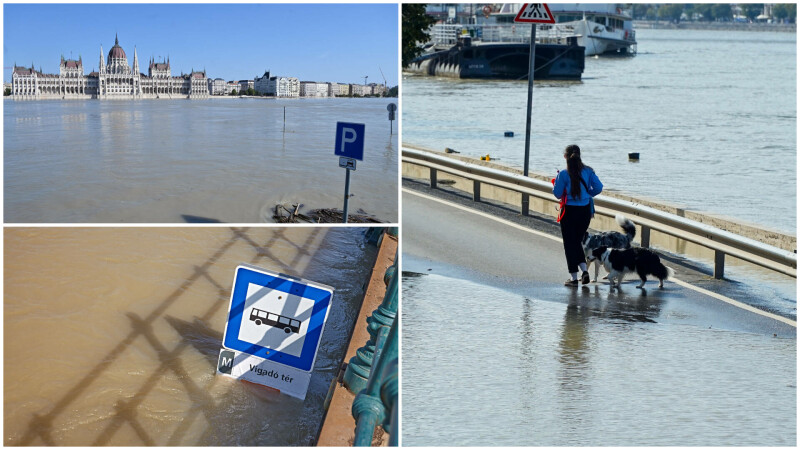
column 350, row 140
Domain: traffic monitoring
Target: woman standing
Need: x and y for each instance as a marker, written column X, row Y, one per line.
column 579, row 184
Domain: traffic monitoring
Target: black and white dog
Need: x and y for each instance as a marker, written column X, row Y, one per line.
column 610, row 239
column 642, row 261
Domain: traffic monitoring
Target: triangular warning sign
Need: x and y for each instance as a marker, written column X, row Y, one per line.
column 535, row 13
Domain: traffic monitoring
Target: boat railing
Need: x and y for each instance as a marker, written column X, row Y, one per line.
column 445, row 34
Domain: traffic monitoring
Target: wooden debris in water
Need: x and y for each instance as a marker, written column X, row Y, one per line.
column 291, row 214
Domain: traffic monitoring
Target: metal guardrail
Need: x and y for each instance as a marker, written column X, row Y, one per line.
column 722, row 242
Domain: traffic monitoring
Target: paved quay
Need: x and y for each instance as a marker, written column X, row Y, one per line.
column 690, row 364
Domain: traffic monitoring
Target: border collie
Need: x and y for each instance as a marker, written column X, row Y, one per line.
column 610, row 239
column 642, row 261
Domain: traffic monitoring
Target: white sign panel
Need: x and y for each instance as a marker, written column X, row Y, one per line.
column 274, row 328
column 347, row 163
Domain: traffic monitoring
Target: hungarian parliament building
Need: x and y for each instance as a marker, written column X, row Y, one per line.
column 115, row 79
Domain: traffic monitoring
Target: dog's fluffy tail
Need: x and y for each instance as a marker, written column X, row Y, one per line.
column 627, row 226
column 663, row 272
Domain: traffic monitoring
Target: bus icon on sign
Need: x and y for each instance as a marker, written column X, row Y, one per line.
column 261, row 317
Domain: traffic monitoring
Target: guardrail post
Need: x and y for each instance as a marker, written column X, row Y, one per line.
column 719, row 264
column 525, row 204
column 476, row 191
column 433, row 178
column 645, row 236
column 358, row 368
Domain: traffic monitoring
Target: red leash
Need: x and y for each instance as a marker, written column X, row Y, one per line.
column 562, row 203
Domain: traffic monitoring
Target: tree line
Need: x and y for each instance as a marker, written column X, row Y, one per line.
column 710, row 12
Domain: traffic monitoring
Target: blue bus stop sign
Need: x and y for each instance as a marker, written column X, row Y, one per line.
column 275, row 324
column 350, row 140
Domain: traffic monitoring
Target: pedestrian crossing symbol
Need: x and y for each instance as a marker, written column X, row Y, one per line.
column 275, row 324
column 535, row 13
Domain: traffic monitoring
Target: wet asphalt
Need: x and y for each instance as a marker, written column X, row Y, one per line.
column 451, row 237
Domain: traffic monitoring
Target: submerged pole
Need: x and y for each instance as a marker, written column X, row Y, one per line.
column 284, row 118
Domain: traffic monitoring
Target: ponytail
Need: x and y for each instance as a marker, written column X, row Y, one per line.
column 574, row 168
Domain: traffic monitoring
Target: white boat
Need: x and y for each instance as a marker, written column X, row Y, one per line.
column 601, row 28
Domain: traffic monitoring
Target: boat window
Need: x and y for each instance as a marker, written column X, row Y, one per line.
column 567, row 18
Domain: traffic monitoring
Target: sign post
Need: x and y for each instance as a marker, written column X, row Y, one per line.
column 275, row 324
column 532, row 13
column 391, row 107
column 349, row 148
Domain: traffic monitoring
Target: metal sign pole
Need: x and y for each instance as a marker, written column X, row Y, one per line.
column 346, row 193
column 531, row 66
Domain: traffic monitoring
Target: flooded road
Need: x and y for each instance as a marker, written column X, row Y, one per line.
column 111, row 335
column 513, row 370
column 177, row 161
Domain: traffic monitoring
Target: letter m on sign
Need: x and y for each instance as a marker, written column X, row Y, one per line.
column 535, row 13
column 226, row 361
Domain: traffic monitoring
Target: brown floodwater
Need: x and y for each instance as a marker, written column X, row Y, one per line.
column 111, row 335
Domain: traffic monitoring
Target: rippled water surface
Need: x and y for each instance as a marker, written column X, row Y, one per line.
column 178, row 160
column 713, row 115
column 486, row 367
column 111, row 335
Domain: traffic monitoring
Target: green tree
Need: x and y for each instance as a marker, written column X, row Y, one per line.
column 643, row 11
column 785, row 11
column 233, row 92
column 415, row 26
column 704, row 9
column 722, row 12
column 751, row 10
column 7, row 92
column 251, row 91
column 671, row 12
column 392, row 92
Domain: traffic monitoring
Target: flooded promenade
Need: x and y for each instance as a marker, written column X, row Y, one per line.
column 178, row 161
column 112, row 334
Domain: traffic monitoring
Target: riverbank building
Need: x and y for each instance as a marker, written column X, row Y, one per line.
column 115, row 79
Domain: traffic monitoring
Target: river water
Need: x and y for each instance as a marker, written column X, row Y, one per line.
column 160, row 161
column 489, row 367
column 111, row 335
column 713, row 115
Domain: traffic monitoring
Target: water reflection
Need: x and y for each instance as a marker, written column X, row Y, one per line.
column 600, row 368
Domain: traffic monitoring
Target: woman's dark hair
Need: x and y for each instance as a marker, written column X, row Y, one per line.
column 574, row 168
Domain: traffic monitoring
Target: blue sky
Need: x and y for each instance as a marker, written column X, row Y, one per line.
column 313, row 42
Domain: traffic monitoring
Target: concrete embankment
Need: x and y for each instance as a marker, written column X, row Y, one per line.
column 714, row 26
column 338, row 427
column 600, row 223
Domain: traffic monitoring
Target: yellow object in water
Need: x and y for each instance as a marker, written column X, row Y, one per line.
column 486, row 158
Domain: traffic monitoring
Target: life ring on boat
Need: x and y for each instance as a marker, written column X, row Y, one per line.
column 487, row 10
column 626, row 35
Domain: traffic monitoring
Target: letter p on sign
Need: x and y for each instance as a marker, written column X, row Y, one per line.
column 350, row 140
